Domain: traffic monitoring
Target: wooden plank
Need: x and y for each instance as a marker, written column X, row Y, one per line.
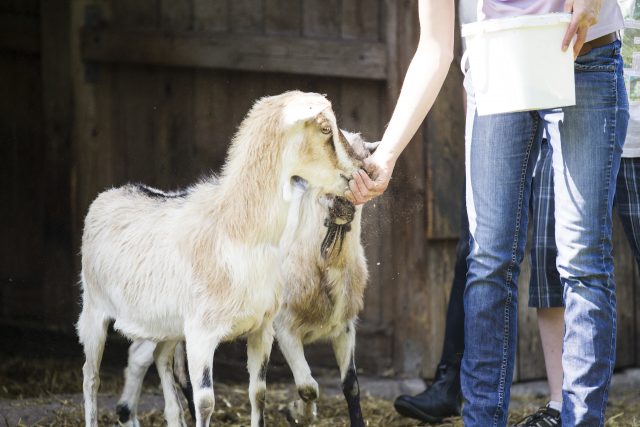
column 283, row 17
column 321, row 18
column 135, row 109
column 625, row 281
column 59, row 293
column 410, row 254
column 434, row 300
column 212, row 128
column 20, row 7
column 445, row 155
column 247, row 16
column 248, row 87
column 176, row 15
column 365, row 60
column 135, row 14
column 445, row 160
column 22, row 182
column 386, row 203
column 175, row 148
column 210, row 15
column 361, row 19
column 365, row 117
column 20, row 33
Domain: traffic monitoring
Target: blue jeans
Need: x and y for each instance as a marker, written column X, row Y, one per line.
column 501, row 150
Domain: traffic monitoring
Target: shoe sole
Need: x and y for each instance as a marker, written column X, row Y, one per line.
column 408, row 410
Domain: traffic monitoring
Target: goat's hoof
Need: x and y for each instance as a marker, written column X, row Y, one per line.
column 124, row 416
column 300, row 413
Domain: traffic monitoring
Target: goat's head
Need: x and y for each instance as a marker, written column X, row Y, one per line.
column 316, row 149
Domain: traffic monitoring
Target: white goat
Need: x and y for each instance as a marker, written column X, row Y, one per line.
column 203, row 266
column 325, row 274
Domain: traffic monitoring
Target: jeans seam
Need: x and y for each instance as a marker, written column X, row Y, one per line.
column 612, row 142
column 509, row 277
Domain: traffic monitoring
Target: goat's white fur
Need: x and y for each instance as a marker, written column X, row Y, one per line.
column 204, row 267
column 304, row 270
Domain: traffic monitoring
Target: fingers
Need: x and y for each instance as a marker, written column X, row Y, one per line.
column 568, row 36
column 362, row 188
column 580, row 39
column 568, row 6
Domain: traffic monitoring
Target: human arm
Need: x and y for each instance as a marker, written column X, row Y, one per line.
column 584, row 14
column 421, row 85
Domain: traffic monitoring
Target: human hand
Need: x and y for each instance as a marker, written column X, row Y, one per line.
column 585, row 14
column 365, row 186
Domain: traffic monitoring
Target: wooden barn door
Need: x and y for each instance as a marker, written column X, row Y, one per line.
column 162, row 85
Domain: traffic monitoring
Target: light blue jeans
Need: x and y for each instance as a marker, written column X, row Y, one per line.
column 501, row 151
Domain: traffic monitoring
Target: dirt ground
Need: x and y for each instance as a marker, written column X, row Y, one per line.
column 48, row 393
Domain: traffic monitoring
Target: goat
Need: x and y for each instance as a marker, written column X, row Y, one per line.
column 203, row 265
column 325, row 274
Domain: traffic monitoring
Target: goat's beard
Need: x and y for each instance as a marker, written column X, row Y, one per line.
column 334, row 238
column 338, row 225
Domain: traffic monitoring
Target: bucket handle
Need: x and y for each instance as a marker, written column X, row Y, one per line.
column 482, row 79
column 464, row 62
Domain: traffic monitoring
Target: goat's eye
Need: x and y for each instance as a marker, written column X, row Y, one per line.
column 326, row 130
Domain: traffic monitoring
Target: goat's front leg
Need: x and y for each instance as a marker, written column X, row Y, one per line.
column 344, row 349
column 201, row 344
column 302, row 411
column 164, row 362
column 140, row 358
column 259, row 346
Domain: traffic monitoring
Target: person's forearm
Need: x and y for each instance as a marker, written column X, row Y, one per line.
column 424, row 78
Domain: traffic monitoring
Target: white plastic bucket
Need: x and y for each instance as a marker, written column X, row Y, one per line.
column 517, row 63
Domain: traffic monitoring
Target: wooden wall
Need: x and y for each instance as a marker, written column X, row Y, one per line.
column 97, row 93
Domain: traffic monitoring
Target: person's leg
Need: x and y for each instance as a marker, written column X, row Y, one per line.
column 545, row 288
column 499, row 159
column 628, row 202
column 453, row 346
column 551, row 326
column 587, row 141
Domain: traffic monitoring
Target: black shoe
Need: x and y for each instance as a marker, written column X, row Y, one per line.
column 440, row 400
column 544, row 417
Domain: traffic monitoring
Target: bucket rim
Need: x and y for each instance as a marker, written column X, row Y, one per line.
column 512, row 22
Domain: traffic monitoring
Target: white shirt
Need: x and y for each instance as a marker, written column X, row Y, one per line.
column 610, row 18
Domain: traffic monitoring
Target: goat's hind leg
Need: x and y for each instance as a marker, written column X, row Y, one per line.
column 344, row 349
column 164, row 362
column 140, row 358
column 92, row 331
column 302, row 411
column 258, row 351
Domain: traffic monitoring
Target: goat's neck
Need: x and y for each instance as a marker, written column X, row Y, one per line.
column 248, row 205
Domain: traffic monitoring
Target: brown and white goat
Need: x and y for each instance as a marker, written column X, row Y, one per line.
column 325, row 276
column 203, row 266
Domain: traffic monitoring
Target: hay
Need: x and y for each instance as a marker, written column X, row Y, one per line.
column 38, row 383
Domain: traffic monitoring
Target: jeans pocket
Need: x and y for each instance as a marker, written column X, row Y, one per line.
column 603, row 58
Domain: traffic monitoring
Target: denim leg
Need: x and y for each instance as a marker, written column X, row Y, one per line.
column 500, row 160
column 628, row 202
column 453, row 345
column 587, row 142
column 545, row 288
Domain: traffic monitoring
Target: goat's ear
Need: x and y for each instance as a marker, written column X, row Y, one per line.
column 371, row 146
column 297, row 113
